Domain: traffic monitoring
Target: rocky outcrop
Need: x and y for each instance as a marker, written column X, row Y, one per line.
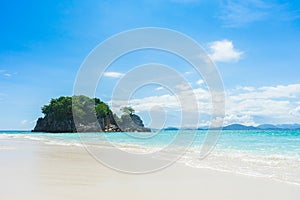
column 58, row 117
column 132, row 123
column 48, row 124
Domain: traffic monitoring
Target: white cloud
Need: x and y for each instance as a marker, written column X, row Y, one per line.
column 224, row 51
column 200, row 82
column 245, row 119
column 188, row 73
column 272, row 104
column 159, row 88
column 113, row 74
column 295, row 112
column 245, row 105
column 6, row 73
column 281, row 91
column 25, row 121
column 182, row 87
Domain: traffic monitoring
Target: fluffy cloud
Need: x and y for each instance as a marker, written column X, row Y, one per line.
column 159, row 88
column 272, row 104
column 245, row 105
column 280, row 91
column 200, row 82
column 113, row 74
column 224, row 51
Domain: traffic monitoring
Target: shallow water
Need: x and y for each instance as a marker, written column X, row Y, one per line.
column 272, row 154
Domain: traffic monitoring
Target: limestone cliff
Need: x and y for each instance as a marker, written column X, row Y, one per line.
column 92, row 115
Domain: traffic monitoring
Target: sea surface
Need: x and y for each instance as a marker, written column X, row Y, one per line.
column 270, row 154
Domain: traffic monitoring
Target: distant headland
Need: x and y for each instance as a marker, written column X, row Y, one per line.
column 92, row 115
column 243, row 127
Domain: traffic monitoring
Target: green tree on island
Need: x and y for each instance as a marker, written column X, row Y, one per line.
column 61, row 108
column 89, row 113
column 126, row 116
column 127, row 110
column 129, row 120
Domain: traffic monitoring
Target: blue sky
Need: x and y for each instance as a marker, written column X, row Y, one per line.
column 255, row 45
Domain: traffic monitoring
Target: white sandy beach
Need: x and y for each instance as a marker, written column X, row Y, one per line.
column 33, row 170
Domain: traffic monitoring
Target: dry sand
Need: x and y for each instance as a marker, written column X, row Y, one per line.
column 31, row 170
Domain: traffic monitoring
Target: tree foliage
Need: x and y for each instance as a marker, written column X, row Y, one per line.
column 62, row 113
column 60, row 108
column 127, row 110
column 84, row 108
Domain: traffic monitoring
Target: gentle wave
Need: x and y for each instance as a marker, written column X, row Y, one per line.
column 277, row 167
column 273, row 156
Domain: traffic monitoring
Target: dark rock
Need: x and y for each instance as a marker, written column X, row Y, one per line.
column 132, row 123
column 48, row 124
column 92, row 115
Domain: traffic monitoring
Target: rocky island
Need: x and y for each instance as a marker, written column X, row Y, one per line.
column 91, row 115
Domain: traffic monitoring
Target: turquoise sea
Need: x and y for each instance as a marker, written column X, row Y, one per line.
column 271, row 154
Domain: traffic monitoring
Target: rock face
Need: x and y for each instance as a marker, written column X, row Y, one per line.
column 132, row 123
column 47, row 124
column 59, row 117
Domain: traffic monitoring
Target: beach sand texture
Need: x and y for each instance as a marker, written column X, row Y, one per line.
column 32, row 170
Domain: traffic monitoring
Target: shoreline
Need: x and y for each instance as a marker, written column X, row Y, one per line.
column 36, row 170
column 186, row 160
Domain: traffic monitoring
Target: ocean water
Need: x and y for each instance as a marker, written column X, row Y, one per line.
column 270, row 154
